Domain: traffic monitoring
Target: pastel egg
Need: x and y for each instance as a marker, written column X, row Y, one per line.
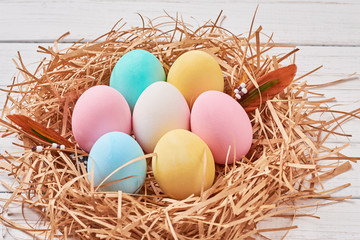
column 183, row 165
column 99, row 110
column 159, row 109
column 111, row 151
column 134, row 72
column 223, row 124
column 195, row 72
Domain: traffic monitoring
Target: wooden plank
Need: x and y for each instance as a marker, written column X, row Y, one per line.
column 338, row 62
column 337, row 221
column 319, row 23
column 29, row 54
column 12, row 234
column 302, row 23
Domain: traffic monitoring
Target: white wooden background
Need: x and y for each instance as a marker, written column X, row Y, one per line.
column 326, row 31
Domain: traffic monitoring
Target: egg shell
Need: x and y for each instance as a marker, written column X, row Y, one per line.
column 183, row 165
column 99, row 110
column 159, row 109
column 195, row 72
column 222, row 123
column 111, row 151
column 134, row 72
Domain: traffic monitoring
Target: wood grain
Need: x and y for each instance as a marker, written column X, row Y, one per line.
column 338, row 62
column 338, row 221
column 301, row 23
column 326, row 31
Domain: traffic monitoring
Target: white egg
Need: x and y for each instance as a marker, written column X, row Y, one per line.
column 160, row 108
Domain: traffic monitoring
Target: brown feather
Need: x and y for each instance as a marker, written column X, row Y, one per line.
column 31, row 127
column 285, row 76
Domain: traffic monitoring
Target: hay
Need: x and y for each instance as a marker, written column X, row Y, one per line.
column 284, row 164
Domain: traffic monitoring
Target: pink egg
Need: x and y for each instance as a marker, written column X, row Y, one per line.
column 223, row 124
column 99, row 110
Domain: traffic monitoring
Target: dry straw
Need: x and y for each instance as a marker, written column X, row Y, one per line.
column 285, row 164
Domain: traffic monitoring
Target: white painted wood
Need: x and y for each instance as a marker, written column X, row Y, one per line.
column 328, row 32
column 16, row 213
column 338, row 221
column 309, row 23
column 338, row 62
column 29, row 54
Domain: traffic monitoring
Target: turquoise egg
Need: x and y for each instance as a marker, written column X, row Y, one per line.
column 134, row 72
column 111, row 151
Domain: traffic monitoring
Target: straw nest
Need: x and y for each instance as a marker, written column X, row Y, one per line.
column 282, row 166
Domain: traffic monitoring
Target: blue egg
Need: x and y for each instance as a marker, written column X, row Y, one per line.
column 111, row 151
column 134, row 72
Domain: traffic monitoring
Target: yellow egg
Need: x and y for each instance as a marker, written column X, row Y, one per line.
column 195, row 72
column 184, row 164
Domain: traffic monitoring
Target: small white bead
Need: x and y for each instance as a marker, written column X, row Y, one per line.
column 242, row 85
column 236, row 91
column 39, row 148
column 238, row 96
column 54, row 145
column 244, row 90
column 62, row 147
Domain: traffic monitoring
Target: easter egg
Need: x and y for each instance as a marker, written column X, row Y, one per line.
column 195, row 72
column 159, row 109
column 223, row 124
column 134, row 72
column 183, row 164
column 111, row 151
column 99, row 110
